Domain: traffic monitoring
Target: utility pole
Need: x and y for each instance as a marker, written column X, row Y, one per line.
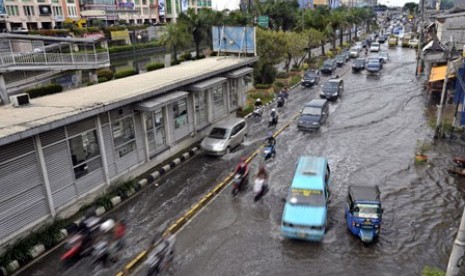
column 456, row 259
column 419, row 68
column 438, row 133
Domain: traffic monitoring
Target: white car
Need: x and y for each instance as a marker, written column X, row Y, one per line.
column 413, row 43
column 354, row 52
column 375, row 47
column 384, row 56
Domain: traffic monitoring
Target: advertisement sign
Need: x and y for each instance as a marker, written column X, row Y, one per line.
column 305, row 4
column 161, row 7
column 120, row 35
column 234, row 39
column 2, row 7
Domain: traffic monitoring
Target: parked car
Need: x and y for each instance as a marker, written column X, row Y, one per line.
column 310, row 78
column 332, row 89
column 384, row 56
column 374, row 65
column 354, row 52
column 313, row 115
column 340, row 60
column 329, row 66
column 375, row 47
column 358, row 65
column 225, row 136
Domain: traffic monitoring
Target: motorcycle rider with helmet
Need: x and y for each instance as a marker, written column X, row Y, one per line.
column 273, row 118
column 242, row 169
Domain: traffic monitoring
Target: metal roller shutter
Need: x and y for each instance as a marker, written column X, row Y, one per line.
column 80, row 127
column 125, row 162
column 22, row 193
column 60, row 173
column 53, row 136
column 108, row 140
column 90, row 181
column 140, row 144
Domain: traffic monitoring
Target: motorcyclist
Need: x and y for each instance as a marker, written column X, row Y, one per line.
column 285, row 92
column 270, row 140
column 260, row 185
column 258, row 102
column 273, row 117
column 242, row 168
column 366, row 51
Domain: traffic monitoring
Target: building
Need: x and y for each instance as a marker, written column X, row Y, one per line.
column 451, row 26
column 62, row 150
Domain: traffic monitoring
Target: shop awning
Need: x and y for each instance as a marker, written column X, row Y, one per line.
column 152, row 104
column 438, row 73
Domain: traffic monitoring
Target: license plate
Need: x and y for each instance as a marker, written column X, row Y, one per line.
column 301, row 234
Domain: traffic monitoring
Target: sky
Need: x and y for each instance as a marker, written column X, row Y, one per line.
column 225, row 4
column 395, row 3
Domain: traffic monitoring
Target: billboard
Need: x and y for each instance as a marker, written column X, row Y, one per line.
column 234, row 39
column 2, row 7
column 161, row 7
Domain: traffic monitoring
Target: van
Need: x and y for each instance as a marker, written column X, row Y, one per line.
column 313, row 115
column 305, row 209
column 224, row 136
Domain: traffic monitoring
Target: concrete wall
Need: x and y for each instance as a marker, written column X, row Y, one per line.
column 452, row 27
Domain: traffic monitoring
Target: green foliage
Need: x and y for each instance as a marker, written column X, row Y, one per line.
column 50, row 32
column 100, row 80
column 104, row 201
column 330, row 54
column 186, row 56
column 134, row 47
column 294, row 80
column 278, row 86
column 176, row 37
column 44, row 90
column 154, row 66
column 105, row 73
column 282, row 75
column 264, row 73
column 271, row 46
column 125, row 73
column 432, row 271
column 262, row 85
column 411, row 7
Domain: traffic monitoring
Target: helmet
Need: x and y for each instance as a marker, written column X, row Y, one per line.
column 243, row 158
column 270, row 134
column 273, row 109
column 258, row 100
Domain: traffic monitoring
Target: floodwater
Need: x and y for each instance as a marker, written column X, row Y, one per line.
column 370, row 138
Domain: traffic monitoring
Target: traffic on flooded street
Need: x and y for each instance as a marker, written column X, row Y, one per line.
column 368, row 137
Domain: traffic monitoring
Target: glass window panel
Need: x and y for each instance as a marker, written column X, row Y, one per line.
column 123, row 130
column 85, row 153
column 180, row 113
column 126, row 149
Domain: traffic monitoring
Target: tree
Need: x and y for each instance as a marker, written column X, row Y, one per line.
column 195, row 24
column 271, row 46
column 318, row 19
column 411, row 7
column 296, row 45
column 176, row 37
column 314, row 38
column 282, row 13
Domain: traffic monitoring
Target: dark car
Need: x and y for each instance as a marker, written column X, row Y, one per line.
column 346, row 54
column 332, row 89
column 329, row 66
column 340, row 60
column 358, row 65
column 374, row 65
column 310, row 78
column 382, row 39
column 313, row 115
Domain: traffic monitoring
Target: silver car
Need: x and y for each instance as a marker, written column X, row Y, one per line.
column 225, row 136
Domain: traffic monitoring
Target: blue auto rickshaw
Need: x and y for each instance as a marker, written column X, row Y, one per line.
column 364, row 212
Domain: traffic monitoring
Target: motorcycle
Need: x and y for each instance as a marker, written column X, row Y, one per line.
column 273, row 121
column 260, row 189
column 79, row 244
column 269, row 151
column 280, row 101
column 257, row 112
column 238, row 182
column 161, row 256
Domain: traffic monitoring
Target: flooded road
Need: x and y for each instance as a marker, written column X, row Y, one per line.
column 370, row 138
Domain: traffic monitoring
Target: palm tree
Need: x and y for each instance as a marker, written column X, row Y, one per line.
column 318, row 20
column 357, row 16
column 176, row 37
column 196, row 26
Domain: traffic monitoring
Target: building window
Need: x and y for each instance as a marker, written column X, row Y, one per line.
column 180, row 114
column 85, row 153
column 70, row 1
column 155, row 125
column 12, row 10
column 57, row 11
column 201, row 107
column 72, row 11
column 55, row 1
column 145, row 11
column 218, row 101
column 124, row 137
column 40, row 1
column 29, row 10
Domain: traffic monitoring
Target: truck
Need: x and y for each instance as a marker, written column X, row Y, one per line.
column 405, row 40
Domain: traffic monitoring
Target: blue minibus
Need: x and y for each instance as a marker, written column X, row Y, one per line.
column 305, row 209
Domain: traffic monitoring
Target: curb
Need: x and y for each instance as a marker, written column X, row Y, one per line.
column 38, row 250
